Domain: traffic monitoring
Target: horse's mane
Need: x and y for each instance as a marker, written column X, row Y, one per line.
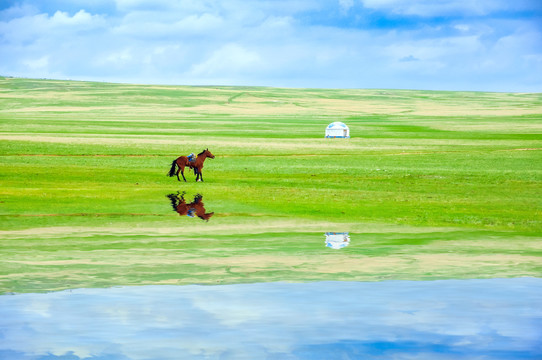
column 202, row 152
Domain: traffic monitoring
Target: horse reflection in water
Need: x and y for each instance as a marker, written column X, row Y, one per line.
column 195, row 208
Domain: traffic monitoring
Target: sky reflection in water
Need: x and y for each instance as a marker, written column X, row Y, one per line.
column 450, row 319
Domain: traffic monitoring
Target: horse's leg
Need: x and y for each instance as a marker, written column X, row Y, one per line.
column 177, row 173
column 181, row 170
column 182, row 173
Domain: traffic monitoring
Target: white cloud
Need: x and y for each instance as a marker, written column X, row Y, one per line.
column 37, row 64
column 346, row 5
column 229, row 59
column 33, row 27
column 118, row 58
column 181, row 7
column 446, row 7
column 17, row 11
column 61, row 18
column 462, row 27
column 277, row 23
column 156, row 26
column 127, row 5
column 435, row 49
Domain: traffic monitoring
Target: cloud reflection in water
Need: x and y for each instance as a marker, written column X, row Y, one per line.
column 467, row 319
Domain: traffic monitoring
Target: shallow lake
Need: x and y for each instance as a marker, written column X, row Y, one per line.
column 447, row 319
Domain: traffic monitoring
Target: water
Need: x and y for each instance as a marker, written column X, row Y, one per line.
column 449, row 319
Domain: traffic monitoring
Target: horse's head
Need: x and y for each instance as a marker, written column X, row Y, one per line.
column 208, row 154
column 206, row 216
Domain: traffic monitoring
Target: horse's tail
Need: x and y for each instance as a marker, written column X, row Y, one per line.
column 172, row 170
column 173, row 198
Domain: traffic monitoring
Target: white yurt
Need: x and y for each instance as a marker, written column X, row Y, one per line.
column 337, row 240
column 337, row 129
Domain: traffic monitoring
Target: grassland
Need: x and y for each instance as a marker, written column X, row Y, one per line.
column 431, row 185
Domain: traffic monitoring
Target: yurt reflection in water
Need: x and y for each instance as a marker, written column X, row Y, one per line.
column 337, row 240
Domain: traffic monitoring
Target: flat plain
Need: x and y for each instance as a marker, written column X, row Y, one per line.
column 431, row 185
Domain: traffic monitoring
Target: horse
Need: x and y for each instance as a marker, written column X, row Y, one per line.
column 182, row 161
column 195, row 208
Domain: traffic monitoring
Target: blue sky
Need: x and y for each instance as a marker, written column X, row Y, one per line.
column 487, row 45
column 439, row 320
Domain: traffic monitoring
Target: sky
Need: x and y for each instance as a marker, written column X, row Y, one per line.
column 498, row 319
column 483, row 45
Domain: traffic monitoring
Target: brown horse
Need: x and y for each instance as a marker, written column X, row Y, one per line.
column 182, row 161
column 195, row 208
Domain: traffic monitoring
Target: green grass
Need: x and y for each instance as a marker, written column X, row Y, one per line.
column 431, row 184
